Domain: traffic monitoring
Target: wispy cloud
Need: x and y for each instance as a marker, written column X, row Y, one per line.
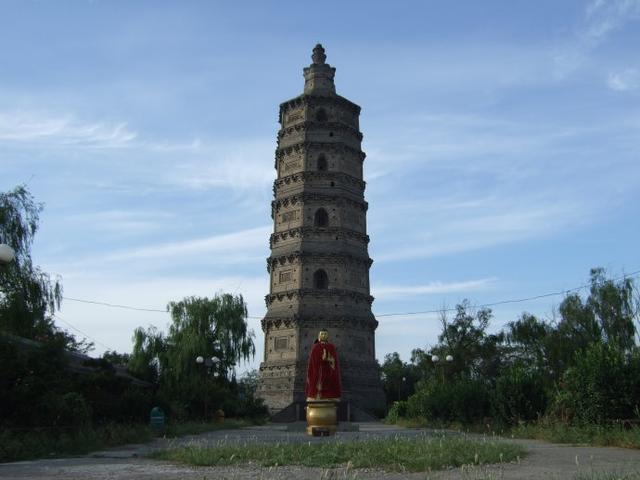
column 461, row 230
column 381, row 291
column 123, row 222
column 239, row 243
column 44, row 128
column 624, row 80
column 242, row 165
column 602, row 18
column 507, row 181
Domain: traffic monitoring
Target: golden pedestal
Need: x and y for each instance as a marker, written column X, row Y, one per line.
column 322, row 417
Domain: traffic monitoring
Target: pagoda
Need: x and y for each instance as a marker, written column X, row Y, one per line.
column 319, row 262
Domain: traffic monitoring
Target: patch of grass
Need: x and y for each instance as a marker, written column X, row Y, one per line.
column 38, row 443
column 192, row 428
column 398, row 454
column 607, row 476
column 545, row 429
column 612, row 436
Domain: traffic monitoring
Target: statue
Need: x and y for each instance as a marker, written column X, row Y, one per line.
column 323, row 371
column 323, row 388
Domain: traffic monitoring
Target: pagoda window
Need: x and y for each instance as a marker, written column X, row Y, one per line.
column 321, row 218
column 320, row 280
column 322, row 163
column 321, row 115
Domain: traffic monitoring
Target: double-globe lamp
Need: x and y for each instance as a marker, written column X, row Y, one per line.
column 436, row 358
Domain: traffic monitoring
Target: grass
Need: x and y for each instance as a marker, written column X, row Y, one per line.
column 38, row 443
column 550, row 431
column 191, row 428
column 608, row 436
column 398, row 454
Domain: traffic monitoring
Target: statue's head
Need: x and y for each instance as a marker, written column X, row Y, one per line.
column 323, row 336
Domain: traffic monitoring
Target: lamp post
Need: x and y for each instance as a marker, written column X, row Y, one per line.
column 401, row 386
column 436, row 361
column 208, row 364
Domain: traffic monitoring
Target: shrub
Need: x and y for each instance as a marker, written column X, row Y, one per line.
column 463, row 400
column 398, row 410
column 604, row 384
column 520, row 395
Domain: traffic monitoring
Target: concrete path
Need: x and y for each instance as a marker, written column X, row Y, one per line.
column 543, row 460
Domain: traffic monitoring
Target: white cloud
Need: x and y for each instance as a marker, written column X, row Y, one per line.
column 123, row 222
column 625, row 80
column 381, row 291
column 239, row 242
column 37, row 127
column 245, row 165
column 601, row 20
column 605, row 17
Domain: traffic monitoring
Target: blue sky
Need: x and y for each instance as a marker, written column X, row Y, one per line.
column 502, row 142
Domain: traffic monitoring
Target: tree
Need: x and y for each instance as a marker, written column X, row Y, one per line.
column 215, row 327
column 29, row 297
column 476, row 353
column 210, row 327
column 398, row 377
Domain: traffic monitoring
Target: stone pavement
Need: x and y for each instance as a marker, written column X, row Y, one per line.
column 543, row 460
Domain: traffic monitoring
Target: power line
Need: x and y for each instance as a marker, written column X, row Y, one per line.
column 395, row 314
column 82, row 333
column 114, row 305
column 504, row 302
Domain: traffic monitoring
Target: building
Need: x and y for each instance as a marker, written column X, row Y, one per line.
column 319, row 262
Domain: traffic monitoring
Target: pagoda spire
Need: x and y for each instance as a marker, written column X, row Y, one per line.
column 318, row 77
column 318, row 56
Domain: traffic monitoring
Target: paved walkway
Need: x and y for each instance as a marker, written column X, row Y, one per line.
column 543, row 460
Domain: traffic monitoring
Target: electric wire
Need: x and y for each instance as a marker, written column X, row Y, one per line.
column 394, row 314
column 56, row 316
column 422, row 312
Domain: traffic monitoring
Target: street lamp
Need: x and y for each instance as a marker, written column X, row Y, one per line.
column 401, row 386
column 208, row 364
column 436, row 359
column 7, row 254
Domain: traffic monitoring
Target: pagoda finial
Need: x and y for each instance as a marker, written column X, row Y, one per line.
column 318, row 55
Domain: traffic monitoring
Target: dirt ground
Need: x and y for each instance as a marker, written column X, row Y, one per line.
column 542, row 461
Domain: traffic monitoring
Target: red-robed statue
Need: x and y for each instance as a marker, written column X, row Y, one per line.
column 323, row 372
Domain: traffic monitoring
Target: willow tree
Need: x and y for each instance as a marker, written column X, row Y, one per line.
column 200, row 326
column 215, row 327
column 29, row 297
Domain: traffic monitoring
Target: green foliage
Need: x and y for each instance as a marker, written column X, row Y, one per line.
column 29, row 297
column 520, row 395
column 397, row 411
column 398, row 454
column 460, row 399
column 603, row 384
column 207, row 327
column 583, row 368
column 476, row 353
column 248, row 405
column 551, row 430
column 23, row 444
column 215, row 327
column 39, row 391
column 398, row 378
